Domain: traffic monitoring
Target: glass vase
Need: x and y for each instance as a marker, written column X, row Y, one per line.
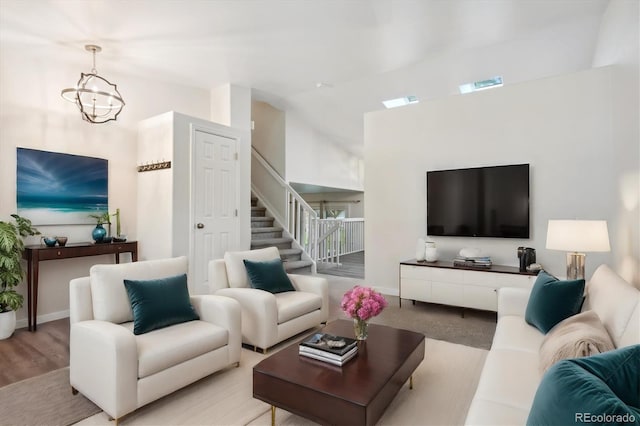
column 360, row 329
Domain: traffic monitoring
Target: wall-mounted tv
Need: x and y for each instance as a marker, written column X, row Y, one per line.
column 479, row 202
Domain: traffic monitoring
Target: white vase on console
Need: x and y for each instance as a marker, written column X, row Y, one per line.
column 430, row 252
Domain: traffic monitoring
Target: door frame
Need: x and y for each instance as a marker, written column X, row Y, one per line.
column 226, row 132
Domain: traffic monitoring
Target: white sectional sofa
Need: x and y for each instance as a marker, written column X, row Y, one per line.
column 510, row 376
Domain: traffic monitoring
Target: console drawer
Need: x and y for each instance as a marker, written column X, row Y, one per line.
column 415, row 289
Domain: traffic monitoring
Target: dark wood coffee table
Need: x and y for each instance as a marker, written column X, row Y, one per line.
column 356, row 393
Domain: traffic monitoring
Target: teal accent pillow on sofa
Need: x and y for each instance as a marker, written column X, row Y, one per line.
column 600, row 389
column 552, row 300
column 159, row 303
column 268, row 276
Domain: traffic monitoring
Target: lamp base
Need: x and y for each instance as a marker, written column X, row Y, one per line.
column 575, row 266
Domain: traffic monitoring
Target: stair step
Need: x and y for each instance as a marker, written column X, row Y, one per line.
column 290, row 254
column 261, row 222
column 284, row 242
column 258, row 211
column 298, row 266
column 260, row 233
column 254, row 202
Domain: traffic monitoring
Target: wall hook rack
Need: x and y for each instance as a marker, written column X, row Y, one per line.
column 154, row 166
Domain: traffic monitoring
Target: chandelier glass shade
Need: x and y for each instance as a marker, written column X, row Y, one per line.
column 99, row 100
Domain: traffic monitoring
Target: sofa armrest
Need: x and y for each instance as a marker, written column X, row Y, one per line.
column 259, row 314
column 512, row 301
column 101, row 346
column 224, row 312
column 80, row 300
column 317, row 285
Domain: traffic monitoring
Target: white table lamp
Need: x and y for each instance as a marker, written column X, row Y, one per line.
column 577, row 237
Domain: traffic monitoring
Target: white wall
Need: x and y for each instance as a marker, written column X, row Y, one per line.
column 313, row 158
column 619, row 43
column 268, row 136
column 563, row 126
column 34, row 115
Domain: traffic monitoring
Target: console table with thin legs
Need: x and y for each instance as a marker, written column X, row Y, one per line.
column 37, row 253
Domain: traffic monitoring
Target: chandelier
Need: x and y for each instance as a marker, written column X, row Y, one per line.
column 98, row 100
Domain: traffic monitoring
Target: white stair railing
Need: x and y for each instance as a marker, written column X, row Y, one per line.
column 353, row 240
column 338, row 237
column 287, row 206
column 322, row 240
column 329, row 241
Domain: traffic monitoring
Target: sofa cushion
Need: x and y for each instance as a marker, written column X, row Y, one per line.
column 553, row 300
column 236, row 271
column 577, row 336
column 159, row 303
column 109, row 296
column 268, row 275
column 509, row 377
column 606, row 384
column 617, row 303
column 188, row 340
column 513, row 333
column 294, row 304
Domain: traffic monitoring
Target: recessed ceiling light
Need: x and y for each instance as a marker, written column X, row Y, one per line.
column 489, row 83
column 398, row 102
column 321, row 84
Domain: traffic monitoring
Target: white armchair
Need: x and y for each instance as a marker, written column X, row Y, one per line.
column 267, row 318
column 120, row 371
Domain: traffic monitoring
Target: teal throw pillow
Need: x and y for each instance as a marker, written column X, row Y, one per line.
column 159, row 303
column 552, row 300
column 600, row 389
column 268, row 275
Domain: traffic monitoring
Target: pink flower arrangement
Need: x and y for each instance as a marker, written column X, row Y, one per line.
column 362, row 303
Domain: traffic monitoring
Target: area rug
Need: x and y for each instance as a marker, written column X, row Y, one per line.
column 444, row 385
column 43, row 400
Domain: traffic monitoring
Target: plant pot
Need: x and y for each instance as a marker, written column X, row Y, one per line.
column 7, row 324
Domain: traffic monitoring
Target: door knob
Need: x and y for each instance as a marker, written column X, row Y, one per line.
column 200, row 225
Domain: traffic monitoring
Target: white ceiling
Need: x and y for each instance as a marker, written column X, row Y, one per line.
column 364, row 50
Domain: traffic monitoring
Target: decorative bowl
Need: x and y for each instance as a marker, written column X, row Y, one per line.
column 49, row 241
column 62, row 241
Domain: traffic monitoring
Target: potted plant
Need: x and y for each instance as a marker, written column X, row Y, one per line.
column 11, row 273
column 99, row 233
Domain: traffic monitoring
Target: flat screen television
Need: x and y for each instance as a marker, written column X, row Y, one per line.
column 479, row 202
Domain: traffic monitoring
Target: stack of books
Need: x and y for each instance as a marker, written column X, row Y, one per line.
column 473, row 262
column 325, row 347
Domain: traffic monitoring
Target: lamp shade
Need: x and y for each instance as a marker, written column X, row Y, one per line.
column 578, row 235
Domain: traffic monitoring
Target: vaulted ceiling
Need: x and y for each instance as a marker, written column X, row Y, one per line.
column 362, row 51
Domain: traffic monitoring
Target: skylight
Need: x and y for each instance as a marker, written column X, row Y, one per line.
column 398, row 102
column 489, row 83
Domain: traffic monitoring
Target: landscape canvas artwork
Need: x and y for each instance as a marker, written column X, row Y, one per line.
column 61, row 189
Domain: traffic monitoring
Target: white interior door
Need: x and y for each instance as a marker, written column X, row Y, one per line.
column 215, row 189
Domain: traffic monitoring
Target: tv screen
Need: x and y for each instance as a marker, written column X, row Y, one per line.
column 479, row 202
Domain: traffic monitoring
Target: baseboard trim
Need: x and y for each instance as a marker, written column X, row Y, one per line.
column 44, row 318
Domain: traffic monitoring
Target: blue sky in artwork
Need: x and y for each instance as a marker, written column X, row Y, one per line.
column 49, row 177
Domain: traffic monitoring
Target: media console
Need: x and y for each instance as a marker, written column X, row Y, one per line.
column 441, row 282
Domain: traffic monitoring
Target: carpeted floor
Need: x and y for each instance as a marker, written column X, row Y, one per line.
column 43, row 400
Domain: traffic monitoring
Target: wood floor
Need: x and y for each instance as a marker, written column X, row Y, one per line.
column 27, row 354
column 352, row 266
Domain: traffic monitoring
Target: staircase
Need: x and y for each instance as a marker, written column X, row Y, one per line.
column 266, row 233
